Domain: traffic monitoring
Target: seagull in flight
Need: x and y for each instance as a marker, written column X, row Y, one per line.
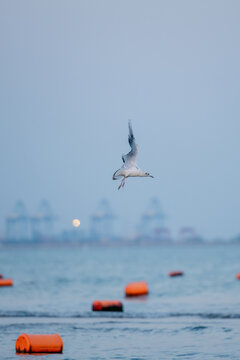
column 129, row 167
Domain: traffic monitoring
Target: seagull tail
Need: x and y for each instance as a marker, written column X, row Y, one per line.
column 115, row 176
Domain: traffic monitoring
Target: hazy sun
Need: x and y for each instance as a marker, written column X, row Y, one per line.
column 76, row 222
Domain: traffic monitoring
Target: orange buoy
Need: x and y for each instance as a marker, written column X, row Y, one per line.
column 39, row 343
column 175, row 273
column 136, row 288
column 6, row 282
column 238, row 276
column 107, row 305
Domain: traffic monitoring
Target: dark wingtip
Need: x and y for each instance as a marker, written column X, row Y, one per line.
column 130, row 125
column 130, row 135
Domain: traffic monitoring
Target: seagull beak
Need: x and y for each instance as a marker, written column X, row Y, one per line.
column 151, row 176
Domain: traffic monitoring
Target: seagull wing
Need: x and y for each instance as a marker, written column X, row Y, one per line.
column 129, row 159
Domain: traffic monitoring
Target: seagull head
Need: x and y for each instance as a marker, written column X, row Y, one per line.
column 148, row 175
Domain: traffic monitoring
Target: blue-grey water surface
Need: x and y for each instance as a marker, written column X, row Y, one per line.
column 196, row 316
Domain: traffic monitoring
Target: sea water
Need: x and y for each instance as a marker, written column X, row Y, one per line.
column 196, row 316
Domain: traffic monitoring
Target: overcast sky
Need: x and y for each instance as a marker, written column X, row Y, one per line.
column 71, row 75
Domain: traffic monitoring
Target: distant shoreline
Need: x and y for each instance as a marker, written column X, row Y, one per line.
column 110, row 244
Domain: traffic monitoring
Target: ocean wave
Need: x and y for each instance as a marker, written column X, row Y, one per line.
column 207, row 315
column 116, row 315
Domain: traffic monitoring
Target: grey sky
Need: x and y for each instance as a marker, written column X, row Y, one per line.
column 71, row 75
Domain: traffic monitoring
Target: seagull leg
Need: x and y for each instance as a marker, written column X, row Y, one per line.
column 122, row 183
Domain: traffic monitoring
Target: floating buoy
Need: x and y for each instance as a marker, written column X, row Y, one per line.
column 238, row 276
column 136, row 288
column 175, row 273
column 6, row 282
column 107, row 305
column 39, row 343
